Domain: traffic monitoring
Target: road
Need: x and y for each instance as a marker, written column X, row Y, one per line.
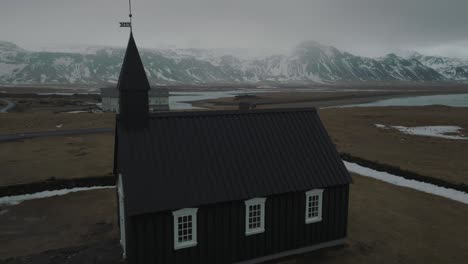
column 20, row 136
column 9, row 106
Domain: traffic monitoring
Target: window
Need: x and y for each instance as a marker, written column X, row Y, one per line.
column 254, row 216
column 313, row 206
column 185, row 228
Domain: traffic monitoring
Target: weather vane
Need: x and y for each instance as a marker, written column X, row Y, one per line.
column 128, row 24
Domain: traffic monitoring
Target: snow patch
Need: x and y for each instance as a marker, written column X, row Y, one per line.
column 76, row 112
column 43, row 78
column 430, row 131
column 381, row 126
column 17, row 199
column 451, row 194
column 8, row 69
column 63, row 61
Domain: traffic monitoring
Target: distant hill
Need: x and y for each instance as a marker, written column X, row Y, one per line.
column 309, row 62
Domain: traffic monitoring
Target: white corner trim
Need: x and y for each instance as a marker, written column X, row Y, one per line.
column 310, row 220
column 185, row 212
column 121, row 195
column 261, row 229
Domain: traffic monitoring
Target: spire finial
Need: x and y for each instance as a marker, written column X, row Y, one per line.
column 130, row 13
column 128, row 24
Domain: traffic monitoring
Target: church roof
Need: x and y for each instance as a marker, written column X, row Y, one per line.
column 132, row 75
column 190, row 159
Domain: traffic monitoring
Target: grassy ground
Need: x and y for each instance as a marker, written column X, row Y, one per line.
column 59, row 157
column 353, row 131
column 58, row 222
column 40, row 121
column 387, row 224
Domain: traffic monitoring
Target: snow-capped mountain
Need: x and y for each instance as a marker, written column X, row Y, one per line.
column 451, row 68
column 308, row 62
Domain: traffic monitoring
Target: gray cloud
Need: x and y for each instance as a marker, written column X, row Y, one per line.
column 367, row 27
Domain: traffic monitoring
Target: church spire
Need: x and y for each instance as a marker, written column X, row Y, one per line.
column 132, row 75
column 133, row 88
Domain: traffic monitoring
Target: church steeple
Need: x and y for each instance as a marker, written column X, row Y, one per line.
column 133, row 88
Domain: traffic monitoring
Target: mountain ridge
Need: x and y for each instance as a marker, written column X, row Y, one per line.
column 309, row 62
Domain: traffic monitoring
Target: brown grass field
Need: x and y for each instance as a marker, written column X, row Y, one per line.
column 387, row 224
column 58, row 222
column 353, row 131
column 44, row 121
column 63, row 157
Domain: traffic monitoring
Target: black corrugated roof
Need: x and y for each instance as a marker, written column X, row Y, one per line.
column 132, row 74
column 188, row 159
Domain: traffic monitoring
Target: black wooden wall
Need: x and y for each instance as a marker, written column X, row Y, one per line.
column 221, row 230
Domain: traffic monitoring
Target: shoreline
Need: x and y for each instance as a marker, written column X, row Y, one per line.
column 314, row 99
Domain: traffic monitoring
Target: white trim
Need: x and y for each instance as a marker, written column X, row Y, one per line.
column 121, row 196
column 318, row 218
column 248, row 203
column 185, row 212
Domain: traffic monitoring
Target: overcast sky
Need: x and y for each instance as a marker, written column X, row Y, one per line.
column 364, row 27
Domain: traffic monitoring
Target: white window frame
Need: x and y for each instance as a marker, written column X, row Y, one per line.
column 251, row 202
column 180, row 213
column 318, row 218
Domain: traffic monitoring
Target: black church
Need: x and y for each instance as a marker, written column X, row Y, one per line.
column 241, row 186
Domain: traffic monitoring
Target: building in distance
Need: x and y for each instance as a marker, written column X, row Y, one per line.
column 158, row 99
